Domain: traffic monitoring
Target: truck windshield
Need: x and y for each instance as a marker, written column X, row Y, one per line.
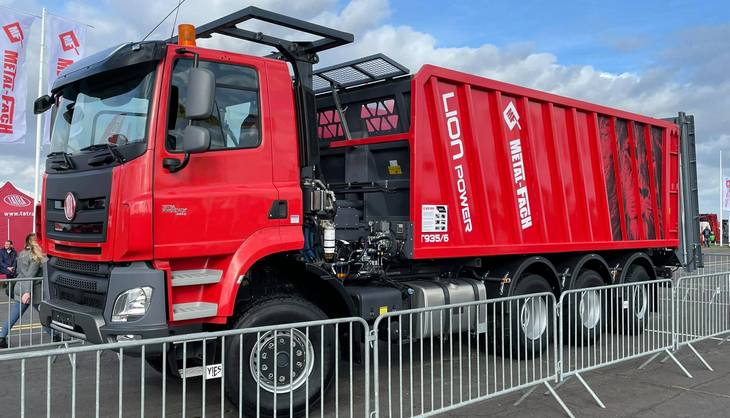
column 109, row 108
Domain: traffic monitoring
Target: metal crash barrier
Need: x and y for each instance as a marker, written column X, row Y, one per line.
column 416, row 362
column 263, row 371
column 27, row 331
column 436, row 359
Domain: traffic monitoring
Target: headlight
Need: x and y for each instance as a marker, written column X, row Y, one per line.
column 132, row 304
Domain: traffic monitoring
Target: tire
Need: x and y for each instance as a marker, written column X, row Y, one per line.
column 632, row 303
column 584, row 318
column 172, row 372
column 306, row 387
column 530, row 323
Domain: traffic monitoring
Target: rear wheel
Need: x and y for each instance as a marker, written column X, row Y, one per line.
column 287, row 368
column 585, row 316
column 529, row 326
column 633, row 304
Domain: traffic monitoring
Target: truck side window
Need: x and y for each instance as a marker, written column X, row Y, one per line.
column 235, row 122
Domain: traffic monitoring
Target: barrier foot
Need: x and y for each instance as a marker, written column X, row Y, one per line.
column 590, row 390
column 724, row 340
column 561, row 383
column 702, row 359
column 670, row 355
column 523, row 397
column 560, row 401
column 646, row 363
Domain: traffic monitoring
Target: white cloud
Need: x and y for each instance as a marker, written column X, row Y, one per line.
column 685, row 79
column 17, row 169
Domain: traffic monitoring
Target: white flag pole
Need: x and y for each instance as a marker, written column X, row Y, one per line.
column 39, row 118
column 722, row 197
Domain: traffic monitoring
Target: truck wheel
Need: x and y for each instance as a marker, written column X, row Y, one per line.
column 530, row 322
column 632, row 303
column 268, row 358
column 584, row 315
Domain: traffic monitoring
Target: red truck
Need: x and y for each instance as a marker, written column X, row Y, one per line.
column 195, row 189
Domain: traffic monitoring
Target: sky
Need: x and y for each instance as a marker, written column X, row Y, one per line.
column 651, row 57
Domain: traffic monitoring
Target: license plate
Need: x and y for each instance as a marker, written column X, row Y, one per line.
column 62, row 319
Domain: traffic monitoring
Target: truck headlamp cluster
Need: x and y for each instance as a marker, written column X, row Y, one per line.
column 132, row 304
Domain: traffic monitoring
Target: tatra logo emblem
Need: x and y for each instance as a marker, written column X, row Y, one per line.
column 69, row 206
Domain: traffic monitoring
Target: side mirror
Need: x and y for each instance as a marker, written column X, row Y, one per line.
column 196, row 139
column 201, row 94
column 42, row 104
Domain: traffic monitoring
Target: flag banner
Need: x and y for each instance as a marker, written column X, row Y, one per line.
column 726, row 193
column 66, row 42
column 14, row 34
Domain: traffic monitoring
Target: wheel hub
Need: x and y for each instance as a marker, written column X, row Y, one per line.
column 640, row 299
column 282, row 361
column 590, row 308
column 534, row 318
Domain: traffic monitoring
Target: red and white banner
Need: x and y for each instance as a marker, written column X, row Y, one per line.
column 14, row 33
column 66, row 42
column 726, row 193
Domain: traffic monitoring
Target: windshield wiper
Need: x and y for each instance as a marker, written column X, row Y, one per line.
column 67, row 163
column 97, row 159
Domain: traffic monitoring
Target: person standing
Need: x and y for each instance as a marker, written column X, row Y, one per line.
column 706, row 235
column 26, row 292
column 8, row 260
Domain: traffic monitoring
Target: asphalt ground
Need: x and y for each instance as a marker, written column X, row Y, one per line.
column 659, row 390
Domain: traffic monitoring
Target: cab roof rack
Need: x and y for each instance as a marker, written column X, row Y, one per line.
column 293, row 50
column 357, row 72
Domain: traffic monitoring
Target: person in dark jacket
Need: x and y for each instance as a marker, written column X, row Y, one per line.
column 26, row 292
column 706, row 235
column 8, row 260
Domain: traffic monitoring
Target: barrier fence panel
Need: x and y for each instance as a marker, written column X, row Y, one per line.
column 311, row 369
column 713, row 263
column 703, row 309
column 606, row 325
column 432, row 360
column 27, row 330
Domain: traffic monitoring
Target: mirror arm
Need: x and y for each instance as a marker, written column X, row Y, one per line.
column 174, row 165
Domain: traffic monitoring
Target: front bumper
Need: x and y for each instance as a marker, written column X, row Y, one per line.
column 88, row 315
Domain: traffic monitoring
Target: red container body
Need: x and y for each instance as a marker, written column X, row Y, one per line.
column 498, row 169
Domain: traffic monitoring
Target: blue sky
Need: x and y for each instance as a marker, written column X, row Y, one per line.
column 650, row 57
column 615, row 36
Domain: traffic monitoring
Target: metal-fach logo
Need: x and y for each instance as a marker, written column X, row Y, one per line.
column 69, row 206
column 512, row 119
column 14, row 32
column 17, row 200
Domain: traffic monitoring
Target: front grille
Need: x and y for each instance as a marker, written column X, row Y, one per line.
column 88, row 285
column 75, row 265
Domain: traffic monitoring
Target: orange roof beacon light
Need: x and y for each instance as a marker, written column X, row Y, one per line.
column 186, row 34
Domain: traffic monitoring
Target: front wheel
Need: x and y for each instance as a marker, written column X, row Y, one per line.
column 282, row 370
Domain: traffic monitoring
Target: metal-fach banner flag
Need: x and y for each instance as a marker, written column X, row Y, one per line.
column 14, row 33
column 726, row 193
column 66, row 42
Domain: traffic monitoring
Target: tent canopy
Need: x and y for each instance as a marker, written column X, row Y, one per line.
column 16, row 215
